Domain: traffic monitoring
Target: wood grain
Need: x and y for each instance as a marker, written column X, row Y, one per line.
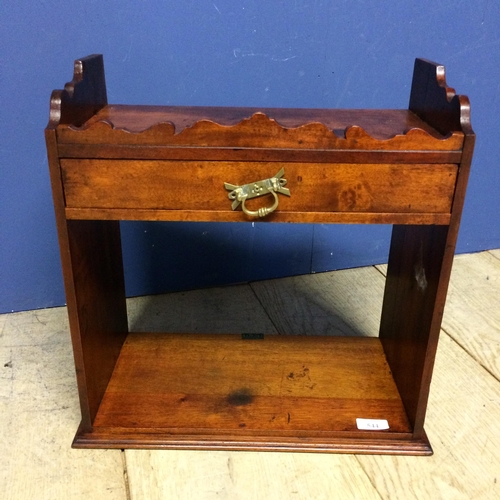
column 411, row 312
column 246, row 476
column 316, row 187
column 38, row 413
column 96, row 307
column 95, row 292
column 162, row 152
column 238, row 216
column 472, row 313
column 344, row 303
column 226, row 309
column 243, row 127
column 81, row 98
column 463, row 412
column 221, row 384
column 435, row 102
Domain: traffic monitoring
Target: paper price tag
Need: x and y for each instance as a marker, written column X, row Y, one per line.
column 370, row 424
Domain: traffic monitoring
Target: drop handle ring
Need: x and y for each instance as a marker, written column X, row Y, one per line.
column 273, row 186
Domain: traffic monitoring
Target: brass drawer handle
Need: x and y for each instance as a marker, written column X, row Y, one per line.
column 273, row 185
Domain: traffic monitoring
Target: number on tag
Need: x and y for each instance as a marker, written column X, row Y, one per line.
column 370, row 424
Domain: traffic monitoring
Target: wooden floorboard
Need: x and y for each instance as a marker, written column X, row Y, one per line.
column 347, row 302
column 246, row 475
column 38, row 414
column 230, row 309
column 495, row 253
column 39, row 408
column 472, row 314
column 462, row 426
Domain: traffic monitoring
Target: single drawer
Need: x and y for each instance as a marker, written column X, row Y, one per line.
column 314, row 187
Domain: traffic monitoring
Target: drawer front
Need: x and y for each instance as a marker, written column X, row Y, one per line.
column 314, row 187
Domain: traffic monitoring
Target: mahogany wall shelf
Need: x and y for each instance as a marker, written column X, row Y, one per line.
column 408, row 168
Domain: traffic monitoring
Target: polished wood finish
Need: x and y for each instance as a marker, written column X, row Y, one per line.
column 421, row 258
column 90, row 252
column 81, row 98
column 315, row 187
column 244, row 386
column 249, row 127
column 226, row 399
column 408, row 168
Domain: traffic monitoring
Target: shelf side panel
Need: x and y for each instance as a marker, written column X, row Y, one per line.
column 437, row 104
column 96, row 306
column 81, row 98
column 412, row 312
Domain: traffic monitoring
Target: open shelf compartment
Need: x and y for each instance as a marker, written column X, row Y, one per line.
column 213, row 391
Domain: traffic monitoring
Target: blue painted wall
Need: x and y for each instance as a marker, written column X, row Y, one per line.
column 296, row 53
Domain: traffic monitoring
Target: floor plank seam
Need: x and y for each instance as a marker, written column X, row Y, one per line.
column 373, row 483
column 376, row 267
column 478, row 361
column 128, row 495
column 264, row 308
column 493, row 254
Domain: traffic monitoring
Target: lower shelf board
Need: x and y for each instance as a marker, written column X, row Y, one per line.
column 301, row 393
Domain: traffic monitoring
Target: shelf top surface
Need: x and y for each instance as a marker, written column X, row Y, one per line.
column 260, row 127
column 380, row 124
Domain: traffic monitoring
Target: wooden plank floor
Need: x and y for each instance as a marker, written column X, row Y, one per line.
column 39, row 409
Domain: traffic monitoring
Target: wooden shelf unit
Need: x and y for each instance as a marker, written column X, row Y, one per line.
column 408, row 168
